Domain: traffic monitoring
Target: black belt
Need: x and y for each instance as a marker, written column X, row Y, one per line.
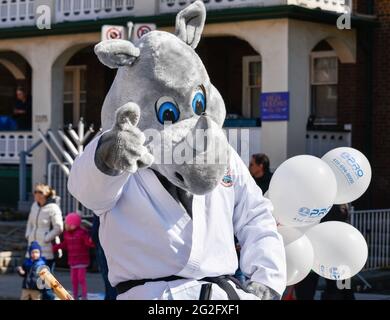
column 221, row 281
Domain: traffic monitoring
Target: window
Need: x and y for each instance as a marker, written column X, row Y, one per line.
column 324, row 80
column 75, row 94
column 251, row 86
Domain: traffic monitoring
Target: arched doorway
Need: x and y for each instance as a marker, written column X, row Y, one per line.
column 15, row 93
column 86, row 83
column 15, row 123
column 235, row 70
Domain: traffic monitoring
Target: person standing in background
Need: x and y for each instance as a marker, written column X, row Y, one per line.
column 22, row 110
column 44, row 225
column 259, row 167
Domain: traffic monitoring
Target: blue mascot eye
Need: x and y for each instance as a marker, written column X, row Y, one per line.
column 167, row 111
column 199, row 103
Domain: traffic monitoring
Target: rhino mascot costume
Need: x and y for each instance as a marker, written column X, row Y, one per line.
column 168, row 228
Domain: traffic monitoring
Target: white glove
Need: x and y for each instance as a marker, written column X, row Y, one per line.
column 262, row 291
column 121, row 148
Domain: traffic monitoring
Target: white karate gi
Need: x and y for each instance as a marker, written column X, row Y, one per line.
column 146, row 234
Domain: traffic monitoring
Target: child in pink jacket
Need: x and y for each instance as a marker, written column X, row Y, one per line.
column 77, row 243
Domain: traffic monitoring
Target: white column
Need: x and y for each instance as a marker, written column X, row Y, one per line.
column 270, row 39
column 299, row 50
column 42, row 112
column 47, row 96
column 275, row 79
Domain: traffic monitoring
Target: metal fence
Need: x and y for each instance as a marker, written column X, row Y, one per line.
column 375, row 227
column 59, row 181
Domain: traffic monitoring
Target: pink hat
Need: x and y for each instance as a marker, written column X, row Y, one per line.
column 73, row 219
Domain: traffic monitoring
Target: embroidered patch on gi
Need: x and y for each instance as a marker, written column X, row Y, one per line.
column 227, row 180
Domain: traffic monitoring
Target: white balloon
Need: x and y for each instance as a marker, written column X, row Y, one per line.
column 352, row 171
column 302, row 190
column 340, row 250
column 299, row 254
column 306, row 227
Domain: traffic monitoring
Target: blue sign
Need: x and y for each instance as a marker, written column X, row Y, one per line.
column 275, row 106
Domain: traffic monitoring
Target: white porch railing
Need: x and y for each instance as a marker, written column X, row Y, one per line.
column 329, row 5
column 246, row 141
column 320, row 142
column 74, row 10
column 168, row 6
column 375, row 227
column 11, row 143
column 15, row 13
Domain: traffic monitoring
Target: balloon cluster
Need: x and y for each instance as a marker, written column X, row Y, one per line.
column 303, row 190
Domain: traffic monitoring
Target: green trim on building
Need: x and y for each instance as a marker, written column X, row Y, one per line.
column 215, row 16
column 9, row 185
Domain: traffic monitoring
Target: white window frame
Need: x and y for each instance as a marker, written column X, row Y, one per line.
column 246, row 107
column 322, row 54
column 76, row 90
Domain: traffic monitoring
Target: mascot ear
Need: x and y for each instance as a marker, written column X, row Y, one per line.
column 116, row 53
column 190, row 22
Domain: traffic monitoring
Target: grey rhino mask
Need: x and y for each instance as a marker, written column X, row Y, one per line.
column 164, row 76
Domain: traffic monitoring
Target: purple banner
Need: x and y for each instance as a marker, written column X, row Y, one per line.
column 275, row 106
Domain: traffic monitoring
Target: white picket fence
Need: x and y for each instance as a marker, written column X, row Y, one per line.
column 375, row 227
column 15, row 13
column 11, row 143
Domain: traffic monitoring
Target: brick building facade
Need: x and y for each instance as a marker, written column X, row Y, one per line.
column 364, row 100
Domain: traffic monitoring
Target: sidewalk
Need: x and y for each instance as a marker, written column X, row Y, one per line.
column 11, row 284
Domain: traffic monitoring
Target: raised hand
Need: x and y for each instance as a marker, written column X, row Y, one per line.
column 122, row 149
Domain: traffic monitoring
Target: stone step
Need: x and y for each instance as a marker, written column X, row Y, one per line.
column 12, row 236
